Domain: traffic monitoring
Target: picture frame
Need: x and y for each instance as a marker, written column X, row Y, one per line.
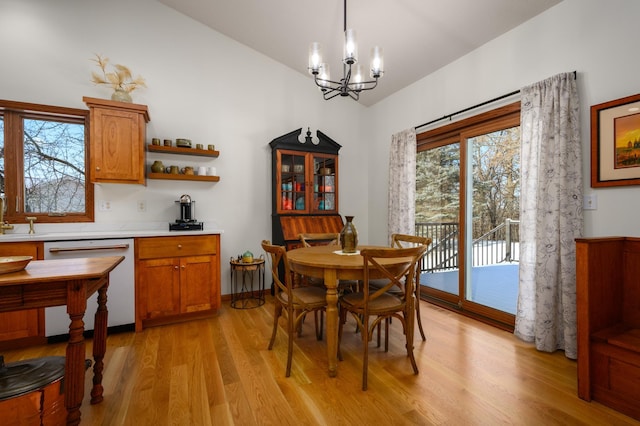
column 615, row 142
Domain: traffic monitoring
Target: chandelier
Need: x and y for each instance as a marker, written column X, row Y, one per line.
column 353, row 80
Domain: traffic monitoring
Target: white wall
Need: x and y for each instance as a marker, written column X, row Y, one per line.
column 202, row 86
column 208, row 88
column 597, row 39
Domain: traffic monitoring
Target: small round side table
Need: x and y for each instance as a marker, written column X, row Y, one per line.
column 243, row 295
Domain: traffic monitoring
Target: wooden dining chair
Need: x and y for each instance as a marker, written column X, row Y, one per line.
column 312, row 239
column 405, row 240
column 315, row 239
column 330, row 239
column 370, row 307
column 292, row 302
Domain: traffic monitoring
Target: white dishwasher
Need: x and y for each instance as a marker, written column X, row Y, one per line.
column 121, row 292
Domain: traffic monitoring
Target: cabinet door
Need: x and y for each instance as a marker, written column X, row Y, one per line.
column 117, row 146
column 197, row 289
column 19, row 325
column 158, row 288
column 28, row 323
column 292, row 180
column 324, row 175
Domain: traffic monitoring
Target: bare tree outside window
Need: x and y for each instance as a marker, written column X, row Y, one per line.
column 495, row 160
column 54, row 167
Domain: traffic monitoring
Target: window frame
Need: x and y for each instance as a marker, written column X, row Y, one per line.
column 14, row 113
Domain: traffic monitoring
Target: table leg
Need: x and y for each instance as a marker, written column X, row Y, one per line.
column 261, row 284
column 99, row 344
column 234, row 285
column 74, row 363
column 331, row 282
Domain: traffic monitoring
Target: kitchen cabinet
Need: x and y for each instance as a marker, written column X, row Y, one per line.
column 22, row 328
column 116, row 141
column 183, row 151
column 177, row 278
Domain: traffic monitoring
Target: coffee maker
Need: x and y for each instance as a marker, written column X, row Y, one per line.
column 186, row 220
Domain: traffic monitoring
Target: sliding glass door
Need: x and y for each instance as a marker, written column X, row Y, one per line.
column 467, row 202
column 493, row 193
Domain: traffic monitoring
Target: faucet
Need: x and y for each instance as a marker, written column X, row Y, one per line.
column 3, row 224
column 31, row 219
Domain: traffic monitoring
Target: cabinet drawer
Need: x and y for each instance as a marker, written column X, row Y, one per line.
column 158, row 247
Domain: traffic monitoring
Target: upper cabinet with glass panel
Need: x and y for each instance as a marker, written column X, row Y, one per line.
column 305, row 174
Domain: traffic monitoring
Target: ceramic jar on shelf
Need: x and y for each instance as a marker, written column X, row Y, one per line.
column 157, row 167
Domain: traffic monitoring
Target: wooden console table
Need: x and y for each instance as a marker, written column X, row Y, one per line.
column 69, row 282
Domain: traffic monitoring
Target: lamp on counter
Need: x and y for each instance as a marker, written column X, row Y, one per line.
column 353, row 80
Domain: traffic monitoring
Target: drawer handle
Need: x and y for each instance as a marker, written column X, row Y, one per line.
column 183, row 266
column 88, row 248
column 179, row 246
column 175, row 267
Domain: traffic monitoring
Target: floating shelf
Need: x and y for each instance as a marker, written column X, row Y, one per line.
column 183, row 151
column 172, row 176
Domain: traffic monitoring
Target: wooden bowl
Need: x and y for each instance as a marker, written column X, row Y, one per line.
column 13, row 263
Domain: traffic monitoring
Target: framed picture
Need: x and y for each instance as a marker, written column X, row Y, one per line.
column 615, row 142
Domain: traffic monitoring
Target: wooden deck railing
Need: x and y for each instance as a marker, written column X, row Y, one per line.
column 501, row 244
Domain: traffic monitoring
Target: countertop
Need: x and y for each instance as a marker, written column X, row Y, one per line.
column 79, row 231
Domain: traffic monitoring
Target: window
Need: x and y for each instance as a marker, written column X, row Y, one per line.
column 43, row 163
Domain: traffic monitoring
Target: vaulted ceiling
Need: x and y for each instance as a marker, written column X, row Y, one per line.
column 418, row 36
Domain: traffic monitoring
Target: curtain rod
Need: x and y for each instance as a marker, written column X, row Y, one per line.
column 449, row 116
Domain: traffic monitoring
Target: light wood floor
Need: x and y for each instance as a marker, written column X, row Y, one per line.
column 219, row 372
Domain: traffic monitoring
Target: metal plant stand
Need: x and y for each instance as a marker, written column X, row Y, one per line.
column 243, row 294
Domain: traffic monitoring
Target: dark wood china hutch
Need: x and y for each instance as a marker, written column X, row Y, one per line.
column 304, row 186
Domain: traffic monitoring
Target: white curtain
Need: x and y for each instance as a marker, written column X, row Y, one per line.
column 550, row 214
column 402, row 183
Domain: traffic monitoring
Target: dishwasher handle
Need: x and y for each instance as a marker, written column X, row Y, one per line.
column 88, row 248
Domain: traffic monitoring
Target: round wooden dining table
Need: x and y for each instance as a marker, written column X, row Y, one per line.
column 329, row 263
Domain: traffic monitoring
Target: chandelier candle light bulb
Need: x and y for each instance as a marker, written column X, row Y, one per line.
column 358, row 79
column 350, row 47
column 377, row 62
column 315, row 57
column 325, row 76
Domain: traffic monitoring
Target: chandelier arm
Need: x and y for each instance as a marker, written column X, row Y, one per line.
column 363, row 84
column 326, row 97
column 329, row 90
column 316, row 79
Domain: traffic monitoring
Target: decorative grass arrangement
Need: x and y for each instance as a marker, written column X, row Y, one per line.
column 120, row 79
